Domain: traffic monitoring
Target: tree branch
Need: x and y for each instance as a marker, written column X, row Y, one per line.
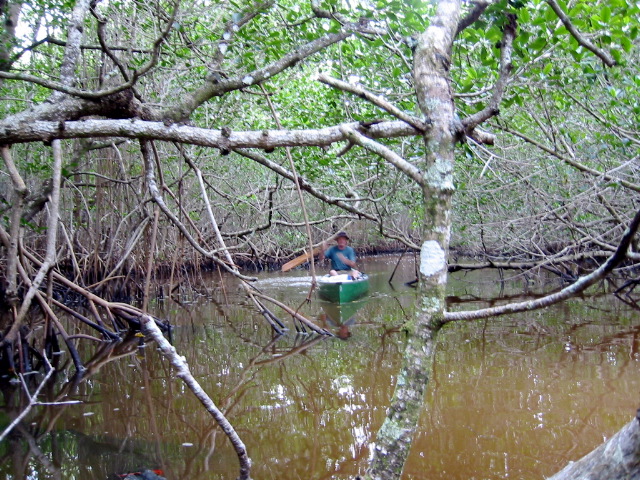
column 9, row 16
column 474, row 14
column 45, row 131
column 304, row 185
column 150, row 328
column 157, row 197
column 231, row 28
column 579, row 166
column 617, row 458
column 572, row 290
column 50, row 255
column 581, row 39
column 389, row 155
column 377, row 101
column 20, row 192
column 33, row 399
column 74, row 38
column 506, row 49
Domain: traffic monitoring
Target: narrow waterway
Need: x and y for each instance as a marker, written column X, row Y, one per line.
column 513, row 397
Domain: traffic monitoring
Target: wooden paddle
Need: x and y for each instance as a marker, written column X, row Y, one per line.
column 305, row 257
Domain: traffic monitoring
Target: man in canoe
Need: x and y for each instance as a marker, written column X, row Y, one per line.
column 342, row 256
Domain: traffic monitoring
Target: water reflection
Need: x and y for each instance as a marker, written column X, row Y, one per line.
column 340, row 318
column 522, row 398
column 512, row 397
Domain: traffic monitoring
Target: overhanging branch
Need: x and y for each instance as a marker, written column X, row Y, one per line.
column 44, row 131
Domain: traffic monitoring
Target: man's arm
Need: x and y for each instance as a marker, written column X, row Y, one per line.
column 349, row 260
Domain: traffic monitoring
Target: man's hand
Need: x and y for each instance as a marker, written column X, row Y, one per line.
column 346, row 261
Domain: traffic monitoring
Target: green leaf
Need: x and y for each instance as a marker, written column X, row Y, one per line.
column 538, row 44
column 617, row 56
column 577, row 55
column 550, row 15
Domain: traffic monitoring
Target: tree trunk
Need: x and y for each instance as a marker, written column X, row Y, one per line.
column 432, row 81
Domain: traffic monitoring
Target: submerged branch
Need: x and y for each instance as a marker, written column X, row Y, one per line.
column 616, row 459
column 150, row 328
column 33, row 400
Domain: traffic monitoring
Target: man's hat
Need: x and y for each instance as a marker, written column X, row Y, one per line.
column 342, row 234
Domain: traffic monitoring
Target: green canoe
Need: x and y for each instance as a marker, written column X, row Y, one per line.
column 342, row 288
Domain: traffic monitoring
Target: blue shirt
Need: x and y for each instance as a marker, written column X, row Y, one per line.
column 336, row 263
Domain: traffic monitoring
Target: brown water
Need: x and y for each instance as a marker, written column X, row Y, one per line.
column 514, row 397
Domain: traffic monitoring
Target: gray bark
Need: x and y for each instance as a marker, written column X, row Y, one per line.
column 9, row 15
column 431, row 77
column 31, row 129
column 20, row 191
column 50, row 255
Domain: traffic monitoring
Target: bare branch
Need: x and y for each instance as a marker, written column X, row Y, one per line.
column 61, row 43
column 304, row 185
column 61, row 87
column 150, row 328
column 32, row 400
column 9, row 15
column 12, row 132
column 72, row 52
column 378, row 101
column 231, row 28
column 341, row 203
column 389, row 155
column 20, row 192
column 157, row 197
column 476, row 12
column 583, row 168
column 50, row 255
column 581, row 39
column 74, row 37
column 506, row 48
column 217, row 86
column 617, row 458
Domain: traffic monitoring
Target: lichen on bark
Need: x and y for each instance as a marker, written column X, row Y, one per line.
column 433, row 90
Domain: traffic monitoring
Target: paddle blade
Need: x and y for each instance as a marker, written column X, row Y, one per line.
column 305, row 257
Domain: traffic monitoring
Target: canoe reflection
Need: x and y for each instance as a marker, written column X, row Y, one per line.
column 339, row 318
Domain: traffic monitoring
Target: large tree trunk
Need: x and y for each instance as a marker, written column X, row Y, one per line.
column 616, row 459
column 431, row 76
